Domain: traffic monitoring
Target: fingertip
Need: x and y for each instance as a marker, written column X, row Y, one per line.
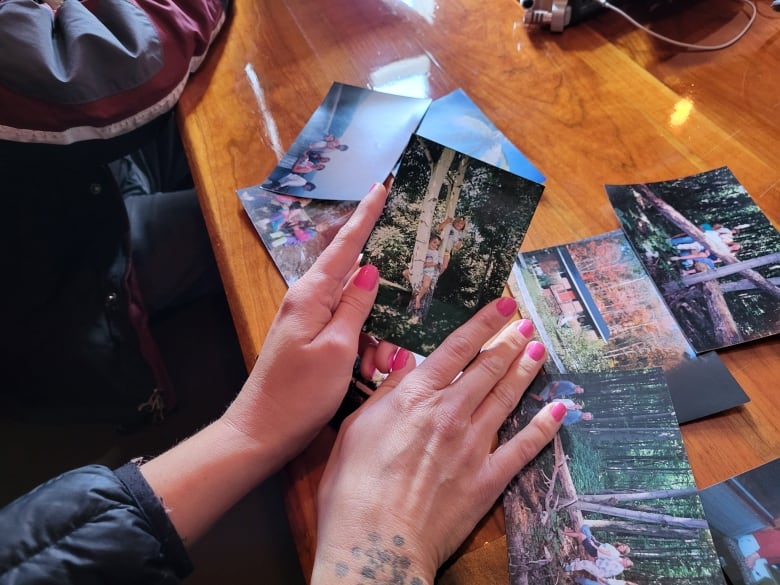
column 536, row 351
column 401, row 361
column 367, row 278
column 506, row 306
column 558, row 411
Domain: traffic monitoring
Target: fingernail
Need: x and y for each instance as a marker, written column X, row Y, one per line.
column 525, row 327
column 367, row 277
column 535, row 350
column 374, row 186
column 558, row 411
column 506, row 306
column 398, row 359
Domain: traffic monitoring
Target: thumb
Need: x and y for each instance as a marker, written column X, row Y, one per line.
column 356, row 302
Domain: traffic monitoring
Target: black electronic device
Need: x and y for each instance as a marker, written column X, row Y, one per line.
column 558, row 14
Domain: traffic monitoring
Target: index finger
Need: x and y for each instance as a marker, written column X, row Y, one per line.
column 338, row 259
column 463, row 344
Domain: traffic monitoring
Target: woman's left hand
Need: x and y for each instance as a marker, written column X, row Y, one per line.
column 304, row 367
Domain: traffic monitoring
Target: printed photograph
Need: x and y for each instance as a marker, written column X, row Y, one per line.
column 744, row 517
column 353, row 140
column 457, row 123
column 711, row 252
column 612, row 499
column 596, row 309
column 294, row 230
column 445, row 243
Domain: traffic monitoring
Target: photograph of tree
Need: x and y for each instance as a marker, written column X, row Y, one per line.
column 744, row 517
column 294, row 230
column 353, row 139
column 613, row 496
column 713, row 254
column 596, row 309
column 445, row 243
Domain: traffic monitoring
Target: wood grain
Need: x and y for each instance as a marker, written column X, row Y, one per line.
column 599, row 103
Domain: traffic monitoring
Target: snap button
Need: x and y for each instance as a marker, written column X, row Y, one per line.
column 111, row 300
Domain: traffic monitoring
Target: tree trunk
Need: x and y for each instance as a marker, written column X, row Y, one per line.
column 645, row 517
column 454, row 196
column 724, row 326
column 692, row 230
column 633, row 497
column 439, row 171
column 625, row 528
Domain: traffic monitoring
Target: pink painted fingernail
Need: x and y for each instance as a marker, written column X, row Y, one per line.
column 506, row 306
column 525, row 327
column 367, row 277
column 398, row 360
column 535, row 350
column 558, row 411
column 374, row 186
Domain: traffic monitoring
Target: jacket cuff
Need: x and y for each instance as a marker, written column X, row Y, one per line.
column 172, row 546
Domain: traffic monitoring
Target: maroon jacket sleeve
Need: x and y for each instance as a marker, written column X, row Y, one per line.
column 97, row 69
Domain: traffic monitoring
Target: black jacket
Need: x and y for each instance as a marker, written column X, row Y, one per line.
column 89, row 526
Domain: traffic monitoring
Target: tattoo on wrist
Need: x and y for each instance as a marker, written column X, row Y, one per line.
column 378, row 562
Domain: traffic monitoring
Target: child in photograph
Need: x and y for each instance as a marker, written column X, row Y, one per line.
column 430, row 268
column 290, row 180
column 594, row 548
column 327, row 144
column 453, row 231
column 574, row 412
column 557, row 389
column 306, row 165
column 602, row 567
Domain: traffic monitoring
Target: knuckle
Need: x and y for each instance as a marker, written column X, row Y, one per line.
column 460, row 346
column 448, row 422
column 505, row 396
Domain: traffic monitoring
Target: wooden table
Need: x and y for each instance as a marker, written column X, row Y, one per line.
column 599, row 103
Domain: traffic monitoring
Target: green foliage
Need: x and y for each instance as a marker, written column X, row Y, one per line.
column 390, row 317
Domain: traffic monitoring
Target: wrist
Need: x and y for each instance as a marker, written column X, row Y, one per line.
column 373, row 556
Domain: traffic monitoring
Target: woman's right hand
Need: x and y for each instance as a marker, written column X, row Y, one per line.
column 412, row 470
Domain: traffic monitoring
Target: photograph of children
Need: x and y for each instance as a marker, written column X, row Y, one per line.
column 611, row 500
column 457, row 123
column 445, row 243
column 295, row 230
column 744, row 517
column 595, row 308
column 353, row 140
column 712, row 253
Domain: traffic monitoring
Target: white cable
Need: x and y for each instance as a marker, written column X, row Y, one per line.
column 751, row 3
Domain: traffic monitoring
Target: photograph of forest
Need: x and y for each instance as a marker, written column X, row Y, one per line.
column 613, row 496
column 713, row 254
column 353, row 139
column 595, row 308
column 294, row 230
column 744, row 517
column 445, row 243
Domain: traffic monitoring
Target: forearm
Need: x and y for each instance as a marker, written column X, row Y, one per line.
column 203, row 477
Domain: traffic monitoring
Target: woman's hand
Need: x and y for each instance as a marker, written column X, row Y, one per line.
column 296, row 385
column 412, row 471
column 305, row 365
